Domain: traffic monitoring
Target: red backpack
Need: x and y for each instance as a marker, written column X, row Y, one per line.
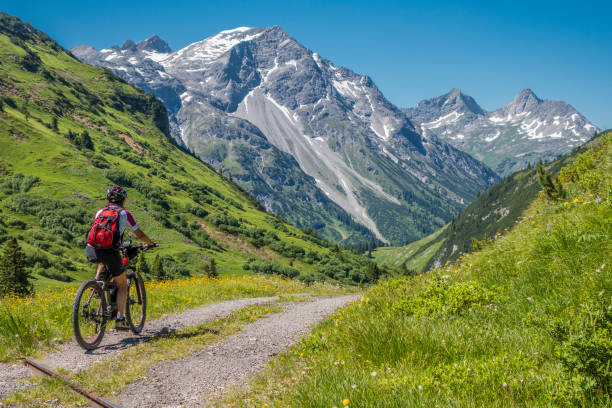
column 104, row 232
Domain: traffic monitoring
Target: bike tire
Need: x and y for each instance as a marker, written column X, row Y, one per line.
column 92, row 288
column 136, row 295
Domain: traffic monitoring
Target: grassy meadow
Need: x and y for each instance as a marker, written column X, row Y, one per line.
column 414, row 255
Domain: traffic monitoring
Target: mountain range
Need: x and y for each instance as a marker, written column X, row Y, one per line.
column 314, row 142
column 525, row 131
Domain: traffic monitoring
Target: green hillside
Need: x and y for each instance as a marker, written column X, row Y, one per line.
column 69, row 130
column 412, row 257
column 494, row 211
column 524, row 322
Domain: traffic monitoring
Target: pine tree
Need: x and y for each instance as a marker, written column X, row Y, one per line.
column 212, row 271
column 406, row 271
column 71, row 135
column 158, row 269
column 14, row 277
column 372, row 272
column 84, row 142
column 142, row 266
column 54, row 124
column 1, row 105
column 552, row 188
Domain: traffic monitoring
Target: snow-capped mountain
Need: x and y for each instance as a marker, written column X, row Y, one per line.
column 524, row 131
column 246, row 96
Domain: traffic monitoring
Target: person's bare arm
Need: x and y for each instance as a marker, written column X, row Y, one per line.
column 143, row 237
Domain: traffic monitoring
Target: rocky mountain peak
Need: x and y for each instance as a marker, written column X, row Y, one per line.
column 462, row 102
column 155, row 44
column 523, row 101
column 129, row 45
column 453, row 102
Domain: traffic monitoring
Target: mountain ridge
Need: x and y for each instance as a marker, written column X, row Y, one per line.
column 524, row 131
column 361, row 151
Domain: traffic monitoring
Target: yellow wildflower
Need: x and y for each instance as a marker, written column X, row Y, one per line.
column 345, row 402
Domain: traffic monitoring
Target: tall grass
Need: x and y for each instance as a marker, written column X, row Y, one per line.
column 515, row 324
column 33, row 324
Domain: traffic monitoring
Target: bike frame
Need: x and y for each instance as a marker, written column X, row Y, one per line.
column 108, row 284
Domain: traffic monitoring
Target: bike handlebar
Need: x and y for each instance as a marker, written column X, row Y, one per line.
column 142, row 247
column 130, row 251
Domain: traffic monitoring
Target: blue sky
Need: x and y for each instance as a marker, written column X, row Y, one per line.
column 412, row 50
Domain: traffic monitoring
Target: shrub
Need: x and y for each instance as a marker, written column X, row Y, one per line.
column 288, row 250
column 157, row 271
column 100, row 162
column 30, row 62
column 441, row 298
column 222, row 220
column 271, row 268
column 120, row 177
column 67, row 222
column 584, row 348
column 18, row 183
column 211, row 269
column 55, row 275
column 552, row 187
column 142, row 266
column 15, row 223
column 196, row 210
column 173, row 269
column 82, row 141
column 193, row 231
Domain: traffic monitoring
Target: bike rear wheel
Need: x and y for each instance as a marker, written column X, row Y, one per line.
column 88, row 315
column 136, row 308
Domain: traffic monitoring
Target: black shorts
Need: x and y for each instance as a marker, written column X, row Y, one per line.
column 109, row 257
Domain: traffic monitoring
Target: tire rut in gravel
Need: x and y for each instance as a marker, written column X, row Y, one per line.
column 72, row 357
column 206, row 373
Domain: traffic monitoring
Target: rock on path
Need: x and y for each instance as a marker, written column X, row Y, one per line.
column 71, row 356
column 188, row 381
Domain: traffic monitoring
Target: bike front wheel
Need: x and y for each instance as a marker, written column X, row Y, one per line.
column 136, row 308
column 88, row 315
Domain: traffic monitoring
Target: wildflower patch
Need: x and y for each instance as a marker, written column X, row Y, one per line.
column 441, row 298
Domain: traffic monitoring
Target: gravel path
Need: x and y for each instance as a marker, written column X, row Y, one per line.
column 204, row 374
column 72, row 357
column 10, row 376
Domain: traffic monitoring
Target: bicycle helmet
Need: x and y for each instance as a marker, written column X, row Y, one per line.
column 116, row 195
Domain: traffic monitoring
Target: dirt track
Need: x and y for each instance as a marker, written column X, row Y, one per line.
column 71, row 356
column 203, row 375
column 192, row 380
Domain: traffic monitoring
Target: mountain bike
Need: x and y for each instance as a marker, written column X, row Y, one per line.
column 95, row 302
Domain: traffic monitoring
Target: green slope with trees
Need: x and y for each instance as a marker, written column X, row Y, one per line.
column 69, row 130
column 493, row 213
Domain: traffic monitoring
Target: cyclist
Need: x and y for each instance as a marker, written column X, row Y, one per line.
column 111, row 256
